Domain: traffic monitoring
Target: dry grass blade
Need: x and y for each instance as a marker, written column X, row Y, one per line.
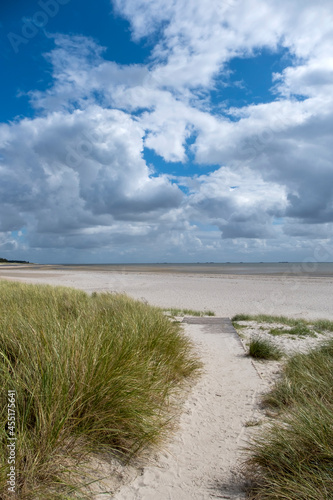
column 293, row 458
column 88, row 372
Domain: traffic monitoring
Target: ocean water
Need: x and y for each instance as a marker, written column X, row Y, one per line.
column 315, row 269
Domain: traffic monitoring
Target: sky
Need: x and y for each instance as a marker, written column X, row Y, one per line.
column 153, row 131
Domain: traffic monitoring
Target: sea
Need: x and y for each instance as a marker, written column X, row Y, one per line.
column 315, row 269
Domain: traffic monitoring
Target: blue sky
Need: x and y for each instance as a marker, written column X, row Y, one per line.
column 140, row 131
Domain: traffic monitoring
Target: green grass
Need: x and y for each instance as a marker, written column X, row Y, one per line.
column 293, row 458
column 301, row 330
column 238, row 326
column 265, row 318
column 173, row 311
column 90, row 373
column 304, row 376
column 277, row 331
column 263, row 349
column 323, row 325
column 300, row 326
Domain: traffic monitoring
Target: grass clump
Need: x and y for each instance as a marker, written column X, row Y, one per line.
column 323, row 325
column 241, row 317
column 263, row 349
column 300, row 329
column 300, row 326
column 265, row 318
column 305, row 376
column 293, row 457
column 188, row 312
column 238, row 326
column 89, row 372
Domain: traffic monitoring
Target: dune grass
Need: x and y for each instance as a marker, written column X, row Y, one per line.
column 319, row 325
column 174, row 311
column 304, row 376
column 265, row 318
column 88, row 372
column 293, row 458
column 301, row 330
column 263, row 349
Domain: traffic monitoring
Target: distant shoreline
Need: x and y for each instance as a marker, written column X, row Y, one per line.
column 299, row 269
column 225, row 289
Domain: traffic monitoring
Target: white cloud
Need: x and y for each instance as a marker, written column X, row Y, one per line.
column 238, row 203
column 66, row 173
column 76, row 177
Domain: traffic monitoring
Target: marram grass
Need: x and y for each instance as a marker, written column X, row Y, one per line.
column 300, row 325
column 293, row 458
column 263, row 349
column 88, row 372
column 174, row 311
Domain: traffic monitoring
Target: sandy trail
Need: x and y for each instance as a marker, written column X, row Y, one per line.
column 201, row 460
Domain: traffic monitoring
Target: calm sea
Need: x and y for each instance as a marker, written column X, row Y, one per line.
column 275, row 268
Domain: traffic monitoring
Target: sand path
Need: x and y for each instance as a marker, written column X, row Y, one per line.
column 201, row 460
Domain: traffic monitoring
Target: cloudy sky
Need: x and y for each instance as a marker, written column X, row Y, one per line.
column 166, row 131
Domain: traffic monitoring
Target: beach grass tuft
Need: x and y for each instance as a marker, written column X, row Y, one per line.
column 323, row 325
column 260, row 348
column 174, row 311
column 299, row 326
column 266, row 318
column 89, row 373
column 304, row 376
column 293, row 457
column 300, row 329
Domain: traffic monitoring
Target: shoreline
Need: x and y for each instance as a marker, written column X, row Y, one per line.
column 292, row 269
column 226, row 294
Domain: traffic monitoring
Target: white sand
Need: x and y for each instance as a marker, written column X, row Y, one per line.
column 288, row 344
column 200, row 462
column 226, row 295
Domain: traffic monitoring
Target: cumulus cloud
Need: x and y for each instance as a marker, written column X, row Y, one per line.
column 68, row 172
column 238, row 203
column 75, row 175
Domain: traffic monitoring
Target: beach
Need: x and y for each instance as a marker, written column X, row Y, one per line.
column 202, row 459
column 294, row 291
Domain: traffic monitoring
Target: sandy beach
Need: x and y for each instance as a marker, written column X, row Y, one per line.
column 201, row 461
column 301, row 296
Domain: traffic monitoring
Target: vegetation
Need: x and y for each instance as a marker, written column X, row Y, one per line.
column 265, row 318
column 2, row 260
column 304, row 376
column 300, row 329
column 293, row 457
column 238, row 326
column 89, row 373
column 263, row 349
column 187, row 312
column 300, row 325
